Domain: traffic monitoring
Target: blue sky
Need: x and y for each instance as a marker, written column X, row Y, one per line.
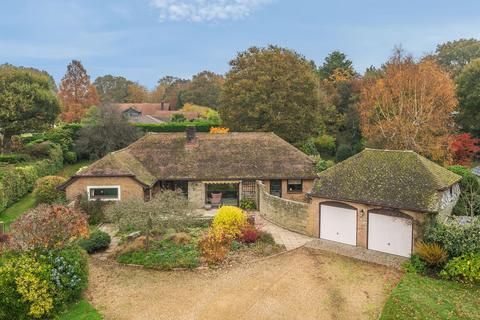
column 144, row 40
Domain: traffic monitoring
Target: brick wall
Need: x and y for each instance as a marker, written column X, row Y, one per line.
column 289, row 214
column 129, row 188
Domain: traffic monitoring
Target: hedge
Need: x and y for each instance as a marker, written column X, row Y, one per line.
column 200, row 125
column 14, row 158
column 17, row 181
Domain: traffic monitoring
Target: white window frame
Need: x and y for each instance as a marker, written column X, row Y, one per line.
column 108, row 187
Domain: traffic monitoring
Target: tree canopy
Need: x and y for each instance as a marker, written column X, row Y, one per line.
column 112, row 89
column 468, row 92
column 76, row 93
column 27, row 101
column 204, row 90
column 454, row 55
column 410, row 107
column 336, row 62
column 271, row 89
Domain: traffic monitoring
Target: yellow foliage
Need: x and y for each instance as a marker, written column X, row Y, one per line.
column 190, row 107
column 230, row 221
column 219, row 130
column 432, row 253
column 215, row 245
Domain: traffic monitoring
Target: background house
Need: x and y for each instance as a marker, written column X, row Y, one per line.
column 152, row 112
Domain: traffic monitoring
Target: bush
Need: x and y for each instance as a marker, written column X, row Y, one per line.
column 343, row 152
column 266, row 237
column 93, row 209
column 36, row 285
column 14, row 158
column 214, row 246
column 70, row 157
column 432, row 253
column 469, row 201
column 230, row 220
column 322, row 165
column 249, row 234
column 46, row 190
column 325, row 144
column 415, row 264
column 178, row 117
column 48, row 227
column 455, row 238
column 463, row 268
column 97, row 241
column 200, row 125
column 308, row 147
column 248, row 204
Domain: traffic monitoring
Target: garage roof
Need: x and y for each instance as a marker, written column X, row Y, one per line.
column 390, row 178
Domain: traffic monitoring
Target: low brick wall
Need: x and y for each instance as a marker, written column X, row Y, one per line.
column 289, row 214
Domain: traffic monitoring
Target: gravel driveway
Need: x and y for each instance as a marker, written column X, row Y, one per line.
column 301, row 284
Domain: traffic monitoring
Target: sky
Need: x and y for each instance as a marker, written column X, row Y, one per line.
column 144, row 40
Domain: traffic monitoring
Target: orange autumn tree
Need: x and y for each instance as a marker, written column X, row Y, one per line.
column 76, row 93
column 410, row 107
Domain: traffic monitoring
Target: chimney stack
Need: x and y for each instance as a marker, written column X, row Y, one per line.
column 191, row 132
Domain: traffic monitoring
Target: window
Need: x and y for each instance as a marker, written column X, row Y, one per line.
column 276, row 188
column 248, row 189
column 104, row 193
column 294, row 185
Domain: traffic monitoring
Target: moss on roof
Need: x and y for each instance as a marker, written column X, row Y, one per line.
column 391, row 178
column 168, row 156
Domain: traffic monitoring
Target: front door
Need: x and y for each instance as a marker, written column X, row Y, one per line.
column 276, row 188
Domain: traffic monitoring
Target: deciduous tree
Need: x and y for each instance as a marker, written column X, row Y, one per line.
column 468, row 93
column 76, row 93
column 136, row 93
column 272, row 89
column 204, row 90
column 27, row 102
column 464, row 148
column 454, row 55
column 410, row 107
column 112, row 89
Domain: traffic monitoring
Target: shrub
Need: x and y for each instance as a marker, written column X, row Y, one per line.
column 93, row 209
column 35, row 285
column 266, row 237
column 308, row 147
column 70, row 157
column 464, row 268
column 46, row 189
column 214, row 246
column 469, row 201
column 415, row 264
column 432, row 253
column 248, row 204
column 230, row 220
column 14, row 158
column 178, row 117
column 325, row 144
column 322, row 165
column 249, row 234
column 48, row 227
column 97, row 241
column 343, row 152
column 455, row 238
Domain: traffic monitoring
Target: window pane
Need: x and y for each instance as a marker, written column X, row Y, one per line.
column 294, row 185
column 104, row 193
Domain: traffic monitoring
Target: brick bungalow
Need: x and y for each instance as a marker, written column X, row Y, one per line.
column 380, row 200
column 200, row 164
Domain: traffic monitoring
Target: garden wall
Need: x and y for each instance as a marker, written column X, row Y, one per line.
column 289, row 214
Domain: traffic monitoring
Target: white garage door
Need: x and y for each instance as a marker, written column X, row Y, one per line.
column 338, row 224
column 390, row 234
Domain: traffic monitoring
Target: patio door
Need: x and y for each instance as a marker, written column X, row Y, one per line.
column 226, row 192
column 276, row 188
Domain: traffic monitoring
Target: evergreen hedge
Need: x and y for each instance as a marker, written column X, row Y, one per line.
column 200, row 125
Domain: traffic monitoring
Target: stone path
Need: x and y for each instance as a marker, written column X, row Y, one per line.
column 112, row 230
column 358, row 253
column 290, row 239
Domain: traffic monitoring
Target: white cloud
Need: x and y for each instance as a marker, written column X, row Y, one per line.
column 206, row 10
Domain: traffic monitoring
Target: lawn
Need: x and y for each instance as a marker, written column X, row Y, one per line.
column 27, row 202
column 82, row 310
column 420, row 297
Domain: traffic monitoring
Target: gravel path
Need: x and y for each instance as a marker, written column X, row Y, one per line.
column 300, row 284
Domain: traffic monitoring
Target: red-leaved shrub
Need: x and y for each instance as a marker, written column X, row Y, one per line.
column 249, row 234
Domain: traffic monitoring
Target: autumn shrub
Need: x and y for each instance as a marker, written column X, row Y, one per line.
column 37, row 284
column 98, row 240
column 249, row 234
column 214, row 246
column 46, row 189
column 48, row 227
column 432, row 253
column 230, row 220
column 464, row 268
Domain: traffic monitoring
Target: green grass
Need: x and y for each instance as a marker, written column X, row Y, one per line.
column 15, row 210
column 81, row 310
column 164, row 255
column 70, row 169
column 420, row 297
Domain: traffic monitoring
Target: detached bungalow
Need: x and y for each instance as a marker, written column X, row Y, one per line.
column 381, row 200
column 208, row 168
